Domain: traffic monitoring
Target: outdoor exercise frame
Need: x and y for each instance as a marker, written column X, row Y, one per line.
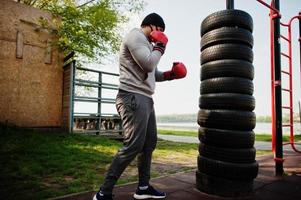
column 276, row 88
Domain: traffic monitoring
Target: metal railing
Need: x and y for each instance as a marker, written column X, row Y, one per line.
column 97, row 122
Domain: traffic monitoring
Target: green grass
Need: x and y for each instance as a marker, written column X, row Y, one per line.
column 36, row 165
column 263, row 152
column 259, row 137
column 168, row 158
column 268, row 138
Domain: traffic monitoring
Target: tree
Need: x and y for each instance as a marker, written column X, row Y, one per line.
column 89, row 28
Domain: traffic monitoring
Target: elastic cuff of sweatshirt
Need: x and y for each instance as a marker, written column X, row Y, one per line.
column 159, row 49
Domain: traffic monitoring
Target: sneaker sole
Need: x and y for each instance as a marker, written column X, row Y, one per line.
column 136, row 196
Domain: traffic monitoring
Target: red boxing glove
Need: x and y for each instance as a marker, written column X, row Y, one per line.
column 158, row 36
column 178, row 71
column 160, row 40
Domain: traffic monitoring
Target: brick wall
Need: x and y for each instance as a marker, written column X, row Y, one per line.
column 31, row 72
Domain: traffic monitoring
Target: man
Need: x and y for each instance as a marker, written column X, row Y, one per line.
column 139, row 56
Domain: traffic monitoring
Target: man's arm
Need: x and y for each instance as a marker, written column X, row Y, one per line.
column 138, row 46
column 177, row 71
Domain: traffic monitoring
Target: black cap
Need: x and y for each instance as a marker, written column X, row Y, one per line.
column 153, row 19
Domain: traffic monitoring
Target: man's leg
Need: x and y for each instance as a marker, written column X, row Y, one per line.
column 145, row 157
column 134, row 113
column 145, row 190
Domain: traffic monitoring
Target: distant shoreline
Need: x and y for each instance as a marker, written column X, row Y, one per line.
column 260, row 128
column 191, row 118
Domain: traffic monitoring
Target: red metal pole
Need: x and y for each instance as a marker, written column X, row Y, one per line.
column 300, row 59
column 272, row 80
column 299, row 110
column 299, row 17
column 290, row 83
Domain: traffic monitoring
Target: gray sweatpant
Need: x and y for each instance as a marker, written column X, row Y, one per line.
column 140, row 138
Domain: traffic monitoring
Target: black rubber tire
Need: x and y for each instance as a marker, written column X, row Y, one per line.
column 226, row 138
column 227, row 68
column 228, row 170
column 227, row 119
column 226, row 51
column 227, row 35
column 244, row 155
column 227, row 85
column 230, row 18
column 230, row 101
column 223, row 187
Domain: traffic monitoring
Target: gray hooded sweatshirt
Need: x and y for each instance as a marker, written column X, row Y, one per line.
column 138, row 64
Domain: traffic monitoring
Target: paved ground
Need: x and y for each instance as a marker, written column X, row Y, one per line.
column 259, row 145
column 176, row 138
column 181, row 186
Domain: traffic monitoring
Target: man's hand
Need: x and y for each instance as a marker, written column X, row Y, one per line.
column 160, row 40
column 177, row 71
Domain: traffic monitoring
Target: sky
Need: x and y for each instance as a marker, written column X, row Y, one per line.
column 183, row 20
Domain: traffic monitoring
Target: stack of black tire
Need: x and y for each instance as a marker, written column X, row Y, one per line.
column 226, row 161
